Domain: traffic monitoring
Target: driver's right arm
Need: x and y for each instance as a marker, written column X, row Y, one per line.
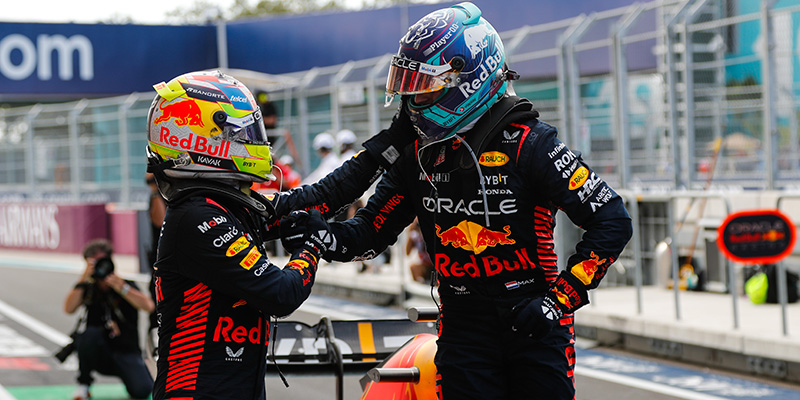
column 213, row 247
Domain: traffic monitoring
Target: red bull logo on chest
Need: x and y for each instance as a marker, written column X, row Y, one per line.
column 472, row 237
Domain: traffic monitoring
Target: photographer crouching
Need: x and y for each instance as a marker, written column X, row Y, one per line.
column 109, row 344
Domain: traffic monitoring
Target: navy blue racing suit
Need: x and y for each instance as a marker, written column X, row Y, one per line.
column 486, row 266
column 217, row 290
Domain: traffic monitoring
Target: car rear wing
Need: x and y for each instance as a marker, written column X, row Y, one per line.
column 336, row 346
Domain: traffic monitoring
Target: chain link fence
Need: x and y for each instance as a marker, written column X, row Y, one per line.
column 659, row 95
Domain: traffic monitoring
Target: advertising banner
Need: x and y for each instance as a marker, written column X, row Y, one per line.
column 51, row 227
column 757, row 236
column 98, row 60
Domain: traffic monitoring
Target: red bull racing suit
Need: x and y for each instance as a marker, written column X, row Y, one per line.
column 216, row 289
column 487, row 266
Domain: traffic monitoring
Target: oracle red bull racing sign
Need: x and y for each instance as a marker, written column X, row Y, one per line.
column 756, row 236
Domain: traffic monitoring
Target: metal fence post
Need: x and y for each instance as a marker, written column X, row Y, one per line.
column 30, row 161
column 563, row 79
column 125, row 151
column 619, row 68
column 74, row 149
column 782, row 281
column 688, row 82
column 373, row 112
column 222, row 44
column 302, row 117
column 672, row 92
column 674, row 255
column 768, row 87
column 574, row 82
column 336, row 107
column 636, row 242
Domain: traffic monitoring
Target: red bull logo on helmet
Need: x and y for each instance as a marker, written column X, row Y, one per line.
column 586, row 269
column 195, row 143
column 472, row 237
column 185, row 112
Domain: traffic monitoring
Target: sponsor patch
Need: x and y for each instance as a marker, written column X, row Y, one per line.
column 206, row 226
column 578, row 178
column 250, row 259
column 237, row 246
column 586, row 269
column 493, row 159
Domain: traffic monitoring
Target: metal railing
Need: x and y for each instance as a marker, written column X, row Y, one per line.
column 642, row 121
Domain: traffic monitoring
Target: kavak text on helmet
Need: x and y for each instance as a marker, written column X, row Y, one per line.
column 208, row 125
column 453, row 52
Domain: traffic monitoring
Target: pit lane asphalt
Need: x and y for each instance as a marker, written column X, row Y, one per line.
column 30, row 372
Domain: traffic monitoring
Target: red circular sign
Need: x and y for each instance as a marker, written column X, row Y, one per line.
column 756, row 236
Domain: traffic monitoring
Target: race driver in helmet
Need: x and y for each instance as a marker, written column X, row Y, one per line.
column 216, row 289
column 485, row 179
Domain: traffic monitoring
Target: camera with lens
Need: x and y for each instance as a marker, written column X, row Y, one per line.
column 66, row 350
column 103, row 267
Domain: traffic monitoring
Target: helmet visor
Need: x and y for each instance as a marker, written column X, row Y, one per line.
column 413, row 77
column 249, row 129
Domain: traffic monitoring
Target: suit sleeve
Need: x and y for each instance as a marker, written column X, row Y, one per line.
column 378, row 224
column 589, row 202
column 218, row 252
column 331, row 194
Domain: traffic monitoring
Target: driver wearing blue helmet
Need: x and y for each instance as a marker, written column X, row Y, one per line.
column 486, row 178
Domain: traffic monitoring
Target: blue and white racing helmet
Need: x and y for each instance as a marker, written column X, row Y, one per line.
column 458, row 52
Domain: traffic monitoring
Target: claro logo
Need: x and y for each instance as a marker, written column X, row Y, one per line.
column 20, row 57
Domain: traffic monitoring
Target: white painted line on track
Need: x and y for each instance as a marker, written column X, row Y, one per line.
column 4, row 395
column 35, row 325
column 644, row 385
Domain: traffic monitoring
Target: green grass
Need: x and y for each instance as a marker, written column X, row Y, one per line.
column 64, row 392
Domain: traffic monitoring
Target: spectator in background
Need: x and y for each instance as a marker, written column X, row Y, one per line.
column 269, row 113
column 346, row 140
column 291, row 178
column 287, row 177
column 323, row 144
column 109, row 344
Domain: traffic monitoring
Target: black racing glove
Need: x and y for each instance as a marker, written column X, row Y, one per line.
column 306, row 231
column 536, row 317
column 387, row 146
